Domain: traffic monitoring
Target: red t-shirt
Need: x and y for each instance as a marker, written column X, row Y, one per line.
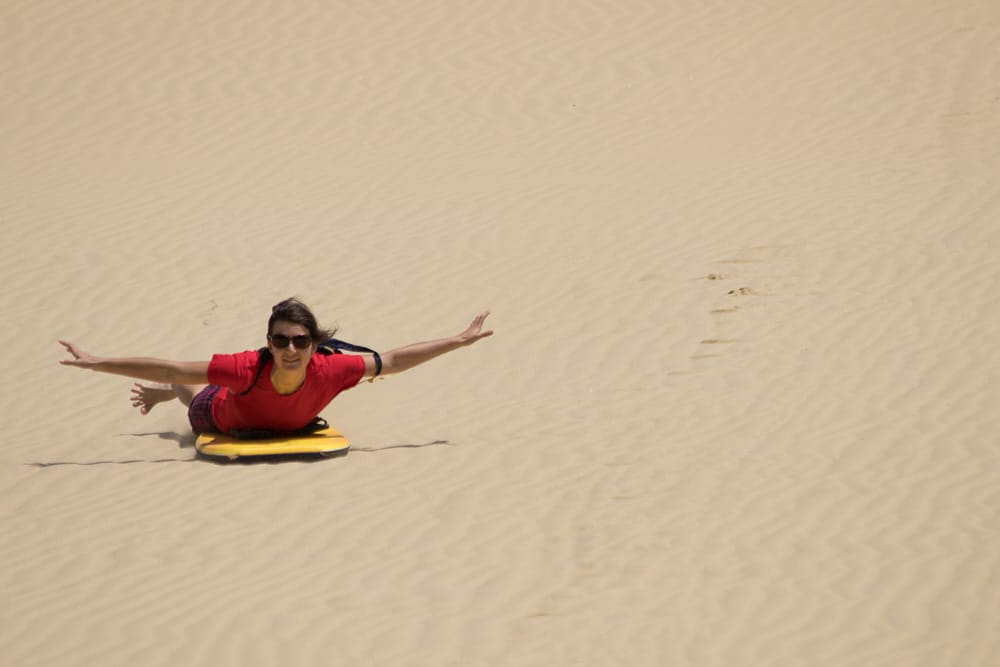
column 265, row 408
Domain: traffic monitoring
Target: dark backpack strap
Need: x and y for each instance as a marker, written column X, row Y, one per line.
column 335, row 346
column 316, row 425
column 263, row 356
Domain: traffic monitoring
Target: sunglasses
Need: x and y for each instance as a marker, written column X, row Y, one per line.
column 281, row 341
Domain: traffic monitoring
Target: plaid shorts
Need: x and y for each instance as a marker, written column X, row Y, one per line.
column 200, row 412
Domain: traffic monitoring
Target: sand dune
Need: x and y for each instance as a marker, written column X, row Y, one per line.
column 739, row 409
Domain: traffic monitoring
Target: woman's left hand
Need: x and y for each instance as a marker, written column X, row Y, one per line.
column 475, row 331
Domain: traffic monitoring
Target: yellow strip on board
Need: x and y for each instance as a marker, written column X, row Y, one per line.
column 327, row 441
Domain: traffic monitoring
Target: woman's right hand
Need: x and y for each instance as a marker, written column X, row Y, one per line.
column 141, row 368
column 80, row 358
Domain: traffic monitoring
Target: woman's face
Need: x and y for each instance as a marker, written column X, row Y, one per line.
column 284, row 341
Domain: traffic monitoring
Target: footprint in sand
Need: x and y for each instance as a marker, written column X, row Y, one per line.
column 713, row 341
column 745, row 291
column 206, row 315
column 764, row 253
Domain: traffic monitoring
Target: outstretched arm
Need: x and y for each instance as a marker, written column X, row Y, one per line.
column 405, row 358
column 142, row 368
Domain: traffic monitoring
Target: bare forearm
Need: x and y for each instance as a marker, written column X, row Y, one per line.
column 405, row 358
column 142, row 368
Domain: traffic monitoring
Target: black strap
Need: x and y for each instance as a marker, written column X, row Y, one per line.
column 334, row 346
column 317, row 424
column 263, row 356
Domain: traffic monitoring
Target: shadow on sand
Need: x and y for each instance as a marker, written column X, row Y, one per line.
column 186, row 441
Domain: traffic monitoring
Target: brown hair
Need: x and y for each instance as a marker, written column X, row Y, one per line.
column 294, row 311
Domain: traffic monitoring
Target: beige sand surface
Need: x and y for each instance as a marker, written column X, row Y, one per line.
column 741, row 407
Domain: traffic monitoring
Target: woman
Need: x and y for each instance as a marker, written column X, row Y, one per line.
column 281, row 388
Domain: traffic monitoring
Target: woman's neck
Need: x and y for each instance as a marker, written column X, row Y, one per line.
column 288, row 382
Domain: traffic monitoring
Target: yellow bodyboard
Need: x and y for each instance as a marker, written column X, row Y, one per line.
column 328, row 442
